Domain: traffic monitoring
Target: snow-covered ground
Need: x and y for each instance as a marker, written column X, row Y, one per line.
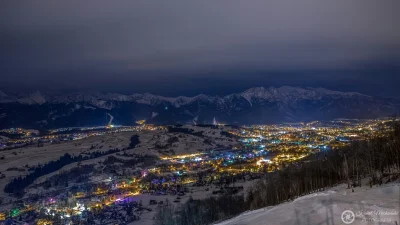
column 187, row 143
column 16, row 162
column 377, row 205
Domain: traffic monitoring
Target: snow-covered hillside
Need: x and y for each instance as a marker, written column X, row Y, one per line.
column 377, row 205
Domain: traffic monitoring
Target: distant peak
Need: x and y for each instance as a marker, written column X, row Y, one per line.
column 2, row 94
column 37, row 97
column 255, row 89
column 290, row 89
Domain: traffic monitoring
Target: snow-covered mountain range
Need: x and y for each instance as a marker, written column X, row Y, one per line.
column 283, row 94
column 255, row 105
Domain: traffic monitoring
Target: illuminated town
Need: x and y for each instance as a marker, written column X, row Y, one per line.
column 199, row 112
column 118, row 198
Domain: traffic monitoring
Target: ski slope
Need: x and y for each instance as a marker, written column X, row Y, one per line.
column 377, row 205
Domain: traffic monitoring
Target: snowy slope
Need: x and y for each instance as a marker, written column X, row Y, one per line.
column 327, row 207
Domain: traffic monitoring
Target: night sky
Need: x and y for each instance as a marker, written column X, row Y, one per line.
column 188, row 47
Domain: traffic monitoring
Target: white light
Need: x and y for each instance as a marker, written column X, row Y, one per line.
column 197, row 159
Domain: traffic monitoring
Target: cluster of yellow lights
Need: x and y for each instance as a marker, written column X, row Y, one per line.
column 80, row 195
column 99, row 191
column 262, row 161
column 189, row 181
column 44, row 222
column 182, row 156
column 2, row 216
column 141, row 122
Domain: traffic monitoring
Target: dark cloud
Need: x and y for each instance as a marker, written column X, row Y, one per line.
column 182, row 47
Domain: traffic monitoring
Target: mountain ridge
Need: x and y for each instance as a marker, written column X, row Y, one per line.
column 38, row 98
column 252, row 106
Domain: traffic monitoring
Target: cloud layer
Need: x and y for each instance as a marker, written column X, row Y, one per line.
column 161, row 45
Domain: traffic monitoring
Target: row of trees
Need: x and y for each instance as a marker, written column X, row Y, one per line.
column 76, row 174
column 146, row 160
column 134, row 141
column 185, row 131
column 204, row 211
column 378, row 160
